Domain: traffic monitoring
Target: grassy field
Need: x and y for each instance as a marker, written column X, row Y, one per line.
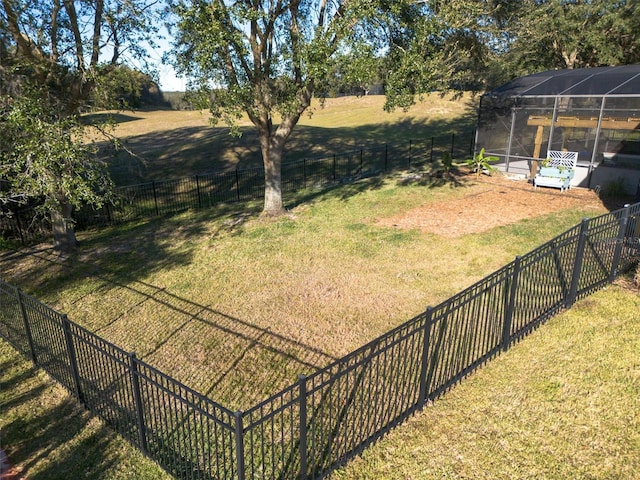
column 561, row 404
column 237, row 307
column 48, row 436
column 175, row 144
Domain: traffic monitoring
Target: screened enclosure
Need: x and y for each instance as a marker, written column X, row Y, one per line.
column 592, row 111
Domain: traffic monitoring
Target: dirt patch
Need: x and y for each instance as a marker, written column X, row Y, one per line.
column 491, row 202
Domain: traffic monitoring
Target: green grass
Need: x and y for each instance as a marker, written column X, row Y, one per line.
column 561, row 404
column 237, row 307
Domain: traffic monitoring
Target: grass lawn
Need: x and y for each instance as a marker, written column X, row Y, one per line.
column 48, row 436
column 237, row 307
column 561, row 404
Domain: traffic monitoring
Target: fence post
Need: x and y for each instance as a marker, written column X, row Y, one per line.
column 453, row 142
column 137, row 398
column 108, row 209
column 73, row 361
column 386, row 157
column 472, row 142
column 619, row 241
column 334, row 167
column 577, row 266
column 508, row 317
column 304, row 466
column 304, row 172
column 155, row 197
column 422, row 396
column 237, row 185
column 198, row 191
column 239, row 433
column 410, row 152
column 27, row 327
column 432, row 145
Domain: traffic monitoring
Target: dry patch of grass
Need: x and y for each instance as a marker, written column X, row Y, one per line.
column 491, row 203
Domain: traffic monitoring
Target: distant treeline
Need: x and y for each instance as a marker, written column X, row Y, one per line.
column 176, row 101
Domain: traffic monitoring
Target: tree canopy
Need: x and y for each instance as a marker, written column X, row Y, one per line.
column 43, row 159
column 557, row 34
column 70, row 47
column 269, row 58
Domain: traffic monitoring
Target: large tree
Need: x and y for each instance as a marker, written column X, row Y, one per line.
column 551, row 34
column 267, row 58
column 69, row 46
column 56, row 57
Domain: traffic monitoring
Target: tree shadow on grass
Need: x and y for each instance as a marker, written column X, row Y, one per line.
column 103, row 117
column 128, row 251
column 236, row 360
column 210, row 350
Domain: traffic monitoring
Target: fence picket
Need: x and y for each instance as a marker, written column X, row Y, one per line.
column 577, row 266
column 508, row 318
column 73, row 358
column 27, row 326
column 137, row 397
column 624, row 220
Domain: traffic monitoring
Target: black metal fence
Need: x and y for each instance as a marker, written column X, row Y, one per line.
column 152, row 199
column 320, row 422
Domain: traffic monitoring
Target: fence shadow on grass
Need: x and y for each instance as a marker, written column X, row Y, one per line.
column 321, row 421
column 47, row 428
column 224, row 356
column 220, row 364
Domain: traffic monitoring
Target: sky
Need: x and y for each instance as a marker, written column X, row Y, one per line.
column 169, row 80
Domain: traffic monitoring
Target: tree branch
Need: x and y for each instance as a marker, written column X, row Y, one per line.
column 73, row 19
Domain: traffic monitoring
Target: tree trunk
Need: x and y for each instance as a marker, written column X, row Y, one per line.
column 64, row 237
column 272, row 160
column 272, row 145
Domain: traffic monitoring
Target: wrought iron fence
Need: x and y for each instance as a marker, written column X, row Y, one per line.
column 317, row 424
column 152, row 199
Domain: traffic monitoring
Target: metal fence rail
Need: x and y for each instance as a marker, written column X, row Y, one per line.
column 324, row 419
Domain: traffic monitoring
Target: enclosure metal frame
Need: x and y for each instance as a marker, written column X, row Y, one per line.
column 553, row 121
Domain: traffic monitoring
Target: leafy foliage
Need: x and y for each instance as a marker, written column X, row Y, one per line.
column 56, row 58
column 268, row 59
column 43, row 156
column 481, row 163
column 551, row 34
column 72, row 48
